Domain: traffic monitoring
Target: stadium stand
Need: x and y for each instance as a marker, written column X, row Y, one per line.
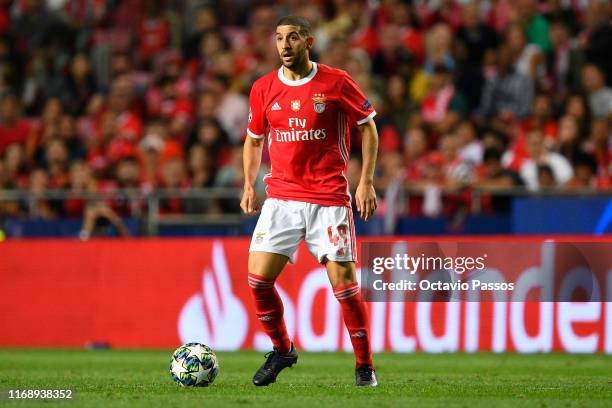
column 127, row 117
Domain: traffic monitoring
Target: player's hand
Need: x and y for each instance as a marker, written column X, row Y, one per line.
column 249, row 202
column 365, row 198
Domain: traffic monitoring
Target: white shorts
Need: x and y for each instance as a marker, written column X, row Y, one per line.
column 328, row 231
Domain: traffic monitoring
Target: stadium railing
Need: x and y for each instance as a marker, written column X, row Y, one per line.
column 220, row 206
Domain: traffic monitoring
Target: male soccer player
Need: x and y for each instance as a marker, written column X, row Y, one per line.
column 306, row 110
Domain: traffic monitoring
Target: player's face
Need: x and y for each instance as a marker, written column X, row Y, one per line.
column 291, row 46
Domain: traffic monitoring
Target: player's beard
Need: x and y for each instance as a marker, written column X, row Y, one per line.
column 299, row 58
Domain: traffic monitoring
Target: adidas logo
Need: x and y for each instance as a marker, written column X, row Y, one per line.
column 275, row 107
column 359, row 334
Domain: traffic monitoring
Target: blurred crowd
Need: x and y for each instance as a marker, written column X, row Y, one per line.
column 102, row 95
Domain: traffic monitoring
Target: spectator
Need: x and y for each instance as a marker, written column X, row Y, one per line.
column 577, row 107
column 46, row 130
column 561, row 169
column 494, row 140
column 598, row 144
column 150, row 151
column 443, row 106
column 232, row 110
column 165, row 102
column 493, row 176
column 11, row 65
column 200, row 166
column 599, row 95
column 596, row 37
column 479, row 39
column 398, row 103
column 56, row 163
column 15, row 166
column 231, row 174
column 209, row 134
column 563, row 13
column 124, row 199
column 445, row 11
column 79, row 86
column 67, row 132
column 508, row 94
column 401, row 14
column 205, row 20
column 439, row 41
column 13, row 129
column 126, row 123
column 536, row 26
column 546, row 177
column 8, row 208
column 457, row 172
column 384, row 61
column 563, row 62
column 173, row 176
column 542, row 117
column 415, row 149
column 568, row 138
column 585, row 172
column 37, row 206
column 470, row 148
column 153, row 31
column 391, row 167
column 81, row 183
column 528, row 58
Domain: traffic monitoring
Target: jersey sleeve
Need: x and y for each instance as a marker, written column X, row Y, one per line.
column 354, row 102
column 257, row 125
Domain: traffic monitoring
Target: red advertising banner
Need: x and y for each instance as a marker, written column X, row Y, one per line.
column 163, row 292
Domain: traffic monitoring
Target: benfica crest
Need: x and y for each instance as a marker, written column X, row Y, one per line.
column 295, row 105
column 319, row 103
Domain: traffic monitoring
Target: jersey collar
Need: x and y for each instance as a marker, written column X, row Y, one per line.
column 298, row 82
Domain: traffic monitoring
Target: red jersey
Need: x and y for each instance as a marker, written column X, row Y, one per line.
column 307, row 123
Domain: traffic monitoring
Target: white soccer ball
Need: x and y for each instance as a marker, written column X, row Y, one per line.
column 194, row 365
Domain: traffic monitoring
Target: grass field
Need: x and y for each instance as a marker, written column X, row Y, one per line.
column 319, row 380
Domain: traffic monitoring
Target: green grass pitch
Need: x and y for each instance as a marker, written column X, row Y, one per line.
column 110, row 378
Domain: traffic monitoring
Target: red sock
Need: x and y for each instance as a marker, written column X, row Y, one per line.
column 356, row 320
column 269, row 310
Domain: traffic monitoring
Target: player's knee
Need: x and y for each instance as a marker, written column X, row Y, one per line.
column 266, row 265
column 254, row 265
column 341, row 273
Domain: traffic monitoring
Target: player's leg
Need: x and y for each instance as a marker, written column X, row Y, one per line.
column 275, row 239
column 346, row 289
column 264, row 268
column 330, row 237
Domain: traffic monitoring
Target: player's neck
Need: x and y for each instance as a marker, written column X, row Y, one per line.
column 299, row 72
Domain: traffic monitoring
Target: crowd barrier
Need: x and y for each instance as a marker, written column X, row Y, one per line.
column 154, row 293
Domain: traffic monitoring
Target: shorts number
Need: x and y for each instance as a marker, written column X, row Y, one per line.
column 335, row 239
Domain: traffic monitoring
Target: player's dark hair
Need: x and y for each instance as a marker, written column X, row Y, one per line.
column 298, row 21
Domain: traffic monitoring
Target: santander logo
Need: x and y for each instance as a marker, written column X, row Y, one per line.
column 215, row 316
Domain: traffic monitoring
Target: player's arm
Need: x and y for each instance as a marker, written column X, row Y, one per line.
column 251, row 159
column 365, row 197
column 253, row 148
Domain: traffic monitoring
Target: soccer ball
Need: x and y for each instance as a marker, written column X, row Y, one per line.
column 194, row 365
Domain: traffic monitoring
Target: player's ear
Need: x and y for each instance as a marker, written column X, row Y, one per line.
column 309, row 42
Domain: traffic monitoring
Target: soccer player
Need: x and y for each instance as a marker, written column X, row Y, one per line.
column 306, row 110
